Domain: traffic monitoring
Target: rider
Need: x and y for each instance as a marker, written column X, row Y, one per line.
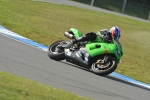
column 104, row 34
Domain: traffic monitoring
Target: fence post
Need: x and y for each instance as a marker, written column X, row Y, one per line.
column 124, row 5
column 149, row 16
column 92, row 2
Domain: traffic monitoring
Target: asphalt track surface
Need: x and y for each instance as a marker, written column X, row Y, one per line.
column 29, row 62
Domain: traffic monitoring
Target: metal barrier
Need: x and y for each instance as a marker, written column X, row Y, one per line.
column 122, row 6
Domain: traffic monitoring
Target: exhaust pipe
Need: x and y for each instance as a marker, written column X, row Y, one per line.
column 68, row 35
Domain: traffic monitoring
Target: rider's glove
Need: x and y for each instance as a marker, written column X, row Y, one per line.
column 107, row 37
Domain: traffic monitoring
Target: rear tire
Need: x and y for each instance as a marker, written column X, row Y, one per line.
column 104, row 69
column 52, row 51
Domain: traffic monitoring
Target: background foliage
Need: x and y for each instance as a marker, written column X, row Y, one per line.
column 137, row 8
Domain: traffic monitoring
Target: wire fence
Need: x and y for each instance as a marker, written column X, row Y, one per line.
column 122, row 6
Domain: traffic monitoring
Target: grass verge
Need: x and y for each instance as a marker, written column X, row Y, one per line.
column 17, row 88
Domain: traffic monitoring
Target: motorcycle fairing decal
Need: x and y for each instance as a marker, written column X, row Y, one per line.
column 77, row 55
column 118, row 52
column 68, row 53
column 86, row 59
column 106, row 51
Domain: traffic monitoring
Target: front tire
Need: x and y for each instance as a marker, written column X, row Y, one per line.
column 106, row 68
column 53, row 53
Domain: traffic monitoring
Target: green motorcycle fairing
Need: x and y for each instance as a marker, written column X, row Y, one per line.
column 99, row 47
column 76, row 32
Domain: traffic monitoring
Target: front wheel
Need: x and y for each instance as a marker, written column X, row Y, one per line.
column 104, row 66
column 54, row 52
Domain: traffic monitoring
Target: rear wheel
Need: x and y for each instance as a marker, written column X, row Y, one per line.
column 56, row 53
column 104, row 66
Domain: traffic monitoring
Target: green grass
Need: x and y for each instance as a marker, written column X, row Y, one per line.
column 46, row 23
column 17, row 88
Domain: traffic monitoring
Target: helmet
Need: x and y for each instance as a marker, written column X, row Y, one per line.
column 115, row 32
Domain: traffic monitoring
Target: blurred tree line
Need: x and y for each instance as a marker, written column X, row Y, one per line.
column 146, row 2
column 137, row 8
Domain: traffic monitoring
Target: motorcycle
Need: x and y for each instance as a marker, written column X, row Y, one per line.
column 98, row 56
